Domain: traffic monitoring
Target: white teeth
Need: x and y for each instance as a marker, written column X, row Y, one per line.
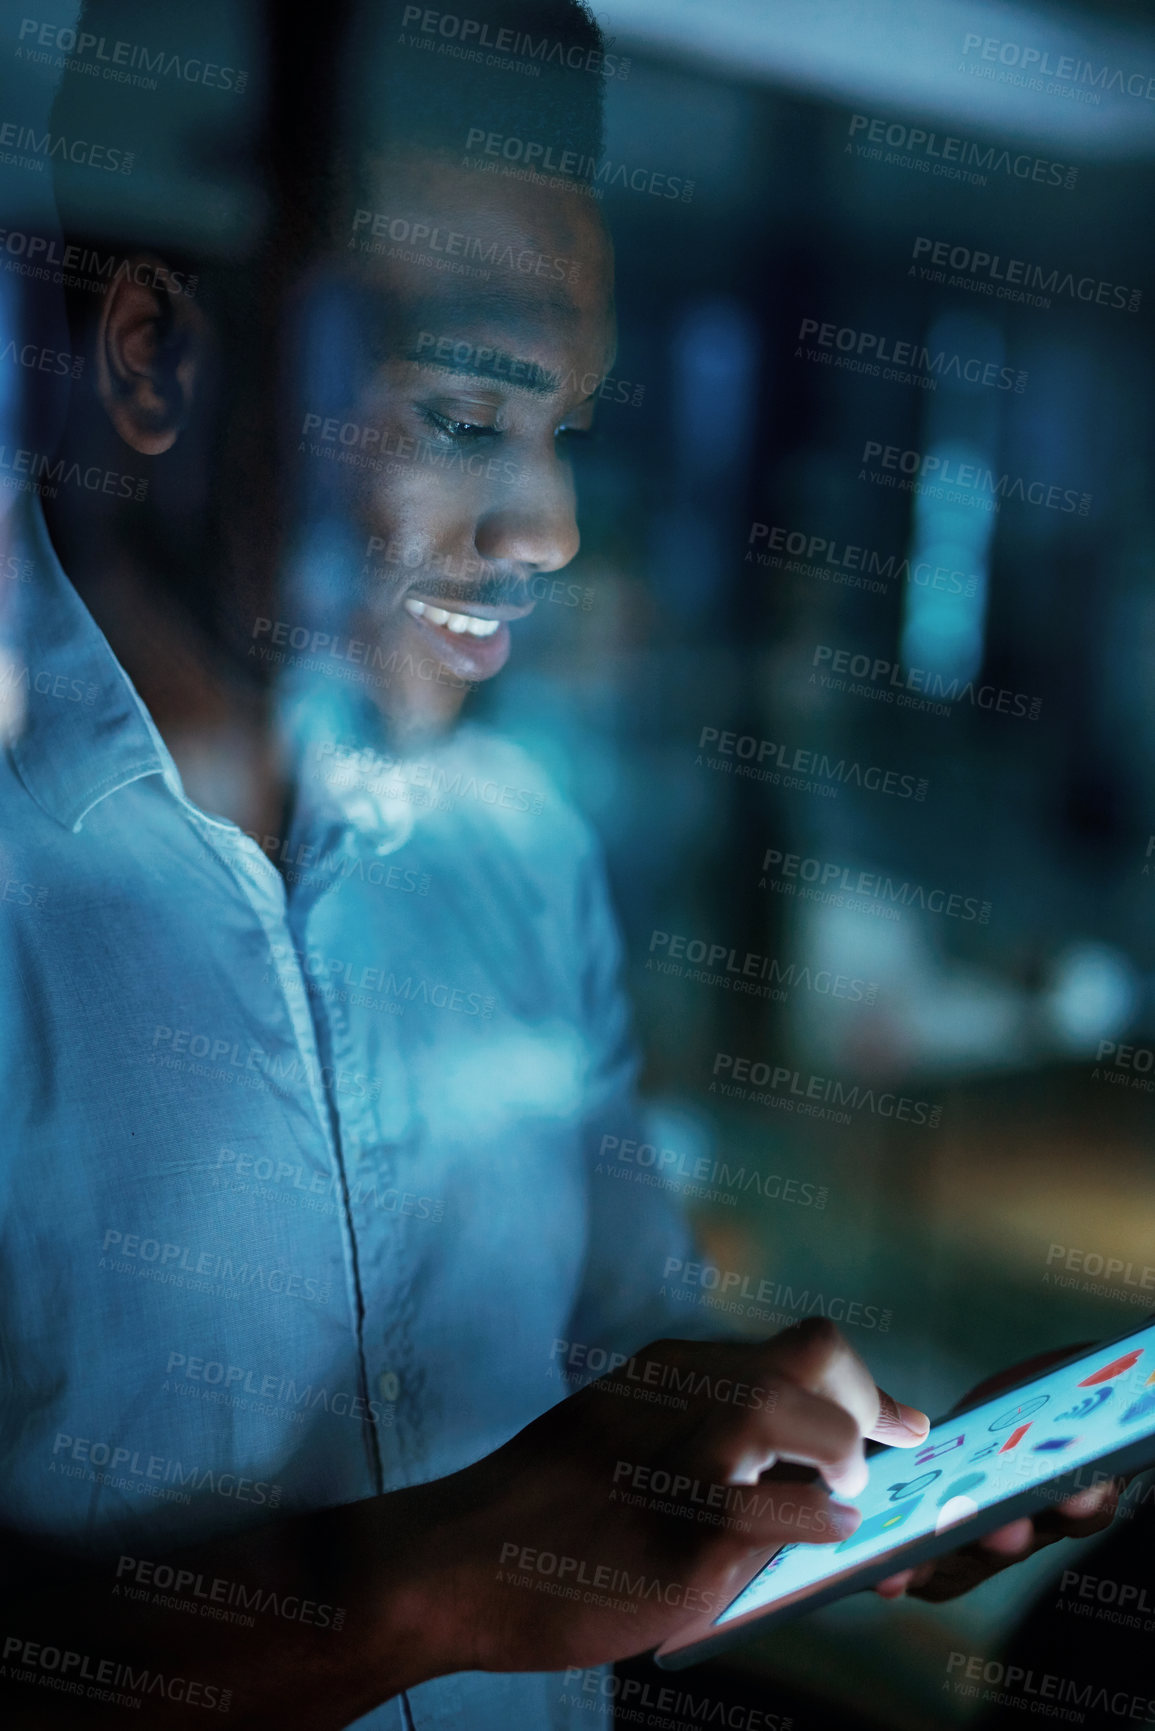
column 455, row 622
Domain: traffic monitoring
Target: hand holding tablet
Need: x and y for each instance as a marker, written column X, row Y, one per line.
column 1057, row 1436
column 651, row 1496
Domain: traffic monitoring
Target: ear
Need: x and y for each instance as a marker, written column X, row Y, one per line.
column 150, row 355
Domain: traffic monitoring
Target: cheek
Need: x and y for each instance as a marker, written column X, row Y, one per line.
column 426, row 522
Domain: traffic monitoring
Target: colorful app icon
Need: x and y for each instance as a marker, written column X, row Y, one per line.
column 940, row 1448
column 1014, row 1439
column 954, row 1510
column 1143, row 1407
column 1052, row 1444
column 1084, row 1408
column 875, row 1526
column 1116, row 1368
column 1016, row 1414
column 960, row 1487
column 912, row 1487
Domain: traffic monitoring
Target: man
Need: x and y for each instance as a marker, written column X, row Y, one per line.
column 460, row 408
column 216, row 1477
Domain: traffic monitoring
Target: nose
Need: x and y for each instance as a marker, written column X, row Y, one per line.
column 533, row 525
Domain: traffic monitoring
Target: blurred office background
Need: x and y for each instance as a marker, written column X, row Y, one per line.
column 998, row 1020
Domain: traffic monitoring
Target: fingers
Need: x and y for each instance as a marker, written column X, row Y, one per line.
column 906, row 1581
column 1090, row 1511
column 1091, row 1501
column 786, row 1512
column 903, row 1427
column 1013, row 1541
column 796, row 1426
column 959, row 1571
column 806, row 1399
column 956, row 1573
column 815, row 1355
column 809, row 1430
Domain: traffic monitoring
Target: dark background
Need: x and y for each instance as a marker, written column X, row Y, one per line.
column 1047, row 820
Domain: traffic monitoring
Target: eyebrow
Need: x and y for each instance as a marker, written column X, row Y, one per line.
column 480, row 361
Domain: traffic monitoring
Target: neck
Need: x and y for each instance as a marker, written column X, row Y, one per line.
column 213, row 721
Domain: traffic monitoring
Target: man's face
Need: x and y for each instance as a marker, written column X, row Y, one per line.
column 478, row 382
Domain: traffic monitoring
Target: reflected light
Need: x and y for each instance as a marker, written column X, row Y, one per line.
column 1092, row 996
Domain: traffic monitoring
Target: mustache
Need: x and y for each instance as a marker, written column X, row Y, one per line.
column 492, row 589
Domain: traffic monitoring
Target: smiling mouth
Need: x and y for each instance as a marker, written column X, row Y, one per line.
column 470, row 638
column 461, row 624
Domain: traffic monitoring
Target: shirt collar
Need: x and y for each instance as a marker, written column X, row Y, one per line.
column 80, row 729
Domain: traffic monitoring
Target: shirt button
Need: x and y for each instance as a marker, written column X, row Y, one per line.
column 388, row 1385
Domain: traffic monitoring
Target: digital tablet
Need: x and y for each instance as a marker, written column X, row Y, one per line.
column 1091, row 1417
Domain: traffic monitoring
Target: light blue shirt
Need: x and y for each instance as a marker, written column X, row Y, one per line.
column 298, row 1198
